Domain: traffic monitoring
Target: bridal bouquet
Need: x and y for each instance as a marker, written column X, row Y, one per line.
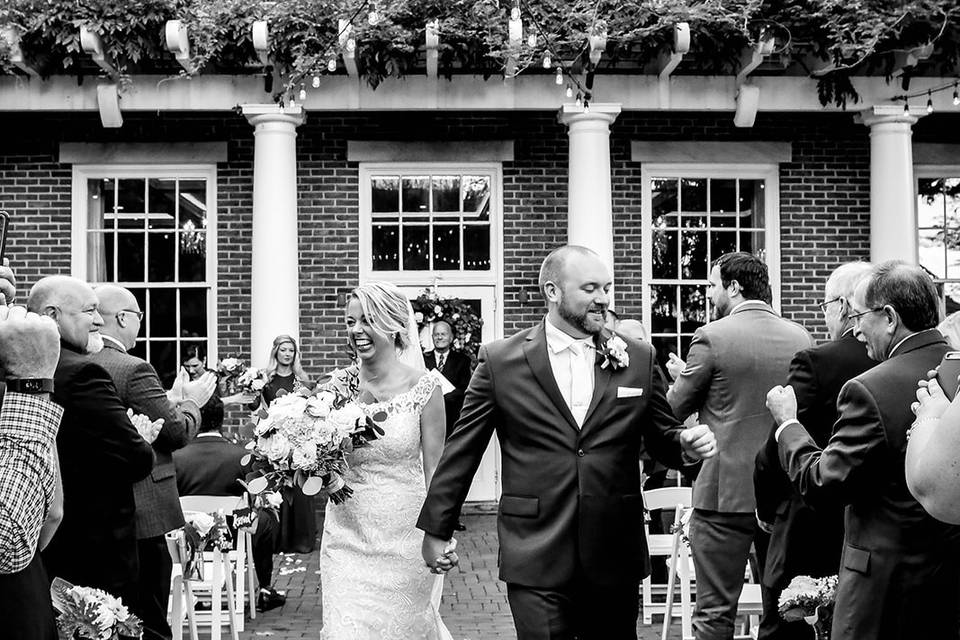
column 239, row 383
column 304, row 440
column 811, row 600
column 85, row 612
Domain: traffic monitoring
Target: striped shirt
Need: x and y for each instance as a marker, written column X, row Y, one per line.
column 28, row 429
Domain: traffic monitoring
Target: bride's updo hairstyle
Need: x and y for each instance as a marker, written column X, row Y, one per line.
column 385, row 308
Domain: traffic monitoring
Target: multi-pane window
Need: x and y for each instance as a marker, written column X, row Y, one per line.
column 150, row 234
column 430, row 222
column 693, row 221
column 938, row 224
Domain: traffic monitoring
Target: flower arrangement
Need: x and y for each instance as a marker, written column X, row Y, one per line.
column 429, row 307
column 811, row 600
column 238, row 382
column 305, row 440
column 200, row 532
column 85, row 612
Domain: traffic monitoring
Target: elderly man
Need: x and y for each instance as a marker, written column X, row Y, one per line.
column 729, row 365
column 454, row 366
column 804, row 541
column 157, row 502
column 101, row 452
column 31, row 500
column 900, row 568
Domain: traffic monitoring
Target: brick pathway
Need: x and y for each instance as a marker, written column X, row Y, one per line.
column 474, row 605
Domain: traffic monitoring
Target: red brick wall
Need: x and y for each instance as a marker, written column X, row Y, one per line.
column 824, row 201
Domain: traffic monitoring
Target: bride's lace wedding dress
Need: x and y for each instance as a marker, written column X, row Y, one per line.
column 374, row 582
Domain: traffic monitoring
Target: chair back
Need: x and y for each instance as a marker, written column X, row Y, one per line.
column 212, row 504
column 668, row 498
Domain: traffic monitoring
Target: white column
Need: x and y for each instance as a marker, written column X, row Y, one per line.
column 274, row 290
column 589, row 210
column 893, row 218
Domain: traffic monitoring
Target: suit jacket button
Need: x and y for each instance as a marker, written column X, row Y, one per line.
column 580, row 453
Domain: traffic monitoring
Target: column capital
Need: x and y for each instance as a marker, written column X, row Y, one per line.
column 890, row 114
column 571, row 113
column 273, row 113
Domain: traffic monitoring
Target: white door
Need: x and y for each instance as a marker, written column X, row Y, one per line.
column 486, row 482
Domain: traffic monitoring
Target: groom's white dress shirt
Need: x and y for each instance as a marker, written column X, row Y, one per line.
column 572, row 361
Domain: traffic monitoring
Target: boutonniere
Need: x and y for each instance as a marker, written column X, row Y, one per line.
column 614, row 353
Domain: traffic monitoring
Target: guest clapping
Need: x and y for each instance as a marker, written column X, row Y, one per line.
column 101, row 452
column 933, row 453
column 30, row 489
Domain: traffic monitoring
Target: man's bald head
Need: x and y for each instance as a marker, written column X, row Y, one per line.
column 553, row 268
column 121, row 314
column 72, row 304
column 633, row 329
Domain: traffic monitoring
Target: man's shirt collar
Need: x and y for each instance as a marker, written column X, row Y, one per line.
column 558, row 340
column 114, row 341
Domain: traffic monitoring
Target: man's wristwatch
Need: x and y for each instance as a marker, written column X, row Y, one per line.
column 30, row 385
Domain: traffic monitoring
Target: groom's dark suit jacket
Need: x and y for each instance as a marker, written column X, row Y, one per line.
column 571, row 498
column 900, row 568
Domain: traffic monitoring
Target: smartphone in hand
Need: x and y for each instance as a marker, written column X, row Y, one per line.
column 4, row 223
column 948, row 373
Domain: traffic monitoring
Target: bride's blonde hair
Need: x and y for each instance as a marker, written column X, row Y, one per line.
column 385, row 308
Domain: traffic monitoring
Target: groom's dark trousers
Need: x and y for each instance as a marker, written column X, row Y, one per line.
column 572, row 547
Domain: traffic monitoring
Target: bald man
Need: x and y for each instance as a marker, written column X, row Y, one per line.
column 102, row 454
column 454, row 366
column 157, row 501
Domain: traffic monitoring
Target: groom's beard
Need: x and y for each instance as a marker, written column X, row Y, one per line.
column 582, row 320
column 94, row 343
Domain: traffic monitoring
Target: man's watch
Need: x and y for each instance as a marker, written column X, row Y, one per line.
column 30, row 385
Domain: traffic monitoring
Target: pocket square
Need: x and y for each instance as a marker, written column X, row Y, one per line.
column 629, row 392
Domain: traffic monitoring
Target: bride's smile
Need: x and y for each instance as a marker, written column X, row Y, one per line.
column 364, row 338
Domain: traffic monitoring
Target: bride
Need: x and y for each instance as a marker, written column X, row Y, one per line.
column 374, row 582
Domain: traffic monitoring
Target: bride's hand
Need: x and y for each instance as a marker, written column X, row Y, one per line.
column 435, row 553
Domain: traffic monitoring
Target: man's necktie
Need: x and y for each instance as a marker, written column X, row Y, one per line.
column 581, row 360
column 441, row 359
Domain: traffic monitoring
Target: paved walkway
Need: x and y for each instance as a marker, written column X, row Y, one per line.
column 474, row 605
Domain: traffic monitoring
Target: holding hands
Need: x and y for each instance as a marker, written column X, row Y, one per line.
column 439, row 554
column 148, row 429
column 782, row 403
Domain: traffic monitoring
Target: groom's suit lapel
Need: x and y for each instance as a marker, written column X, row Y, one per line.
column 535, row 351
column 601, row 378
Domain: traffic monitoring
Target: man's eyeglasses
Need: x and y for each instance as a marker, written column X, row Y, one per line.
column 823, row 305
column 139, row 314
column 856, row 316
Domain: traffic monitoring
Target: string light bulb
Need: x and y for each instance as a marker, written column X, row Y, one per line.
column 547, row 62
column 351, row 45
column 515, row 12
column 586, row 106
column 569, row 91
column 906, row 107
column 293, row 102
column 303, row 92
column 316, row 82
column 956, row 96
column 929, row 102
column 579, row 99
column 559, row 75
column 373, row 17
column 532, row 40
column 332, row 65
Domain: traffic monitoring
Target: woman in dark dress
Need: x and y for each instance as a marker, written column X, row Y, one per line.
column 298, row 518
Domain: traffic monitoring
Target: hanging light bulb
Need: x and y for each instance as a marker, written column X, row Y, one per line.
column 293, row 102
column 532, row 40
column 559, row 75
column 929, row 102
column 303, row 92
column 579, row 99
column 547, row 62
column 569, row 91
column 332, row 65
column 316, row 82
column 906, row 107
column 586, row 107
column 515, row 12
column 351, row 45
column 956, row 96
column 373, row 17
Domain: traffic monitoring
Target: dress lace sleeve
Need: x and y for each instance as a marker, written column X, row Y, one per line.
column 422, row 391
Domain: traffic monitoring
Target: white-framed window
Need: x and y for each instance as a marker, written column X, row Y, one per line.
column 424, row 221
column 692, row 214
column 152, row 229
column 938, row 229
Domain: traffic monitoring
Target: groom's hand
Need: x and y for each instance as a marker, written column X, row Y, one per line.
column 439, row 554
column 698, row 442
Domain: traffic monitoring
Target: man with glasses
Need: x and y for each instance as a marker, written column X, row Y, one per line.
column 729, row 364
column 900, row 568
column 157, row 501
column 101, row 451
column 804, row 541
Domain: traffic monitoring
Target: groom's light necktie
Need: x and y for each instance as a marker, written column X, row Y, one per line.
column 581, row 379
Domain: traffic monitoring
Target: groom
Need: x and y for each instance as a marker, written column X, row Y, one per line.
column 572, row 549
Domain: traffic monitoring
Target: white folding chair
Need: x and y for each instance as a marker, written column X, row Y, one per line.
column 223, row 571
column 660, row 544
column 182, row 599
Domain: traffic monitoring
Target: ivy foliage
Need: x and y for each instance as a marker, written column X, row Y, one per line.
column 835, row 39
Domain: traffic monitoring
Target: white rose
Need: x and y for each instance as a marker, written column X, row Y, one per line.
column 275, row 447
column 229, row 363
column 305, row 457
column 202, row 522
column 418, row 316
column 257, row 385
column 273, row 499
column 438, row 310
column 345, row 419
column 318, row 406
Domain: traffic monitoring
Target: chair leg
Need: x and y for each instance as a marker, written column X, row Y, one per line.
column 231, row 605
column 671, row 578
column 176, row 610
column 251, row 586
column 191, row 619
column 686, row 606
column 216, row 606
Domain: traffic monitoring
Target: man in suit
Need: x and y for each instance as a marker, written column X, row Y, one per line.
column 804, row 541
column 157, row 502
column 102, row 454
column 211, row 466
column 729, row 365
column 572, row 414
column 899, row 568
column 454, row 366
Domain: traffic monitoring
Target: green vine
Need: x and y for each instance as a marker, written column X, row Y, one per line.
column 837, row 39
